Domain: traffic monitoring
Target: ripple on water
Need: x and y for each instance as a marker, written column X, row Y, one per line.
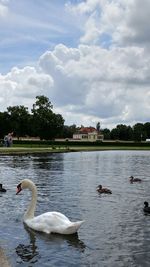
column 115, row 233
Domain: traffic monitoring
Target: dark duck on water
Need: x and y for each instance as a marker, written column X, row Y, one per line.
column 146, row 208
column 134, row 180
column 104, row 190
column 2, row 189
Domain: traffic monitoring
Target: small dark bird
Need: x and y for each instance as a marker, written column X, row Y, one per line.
column 103, row 190
column 2, row 189
column 134, row 180
column 146, row 207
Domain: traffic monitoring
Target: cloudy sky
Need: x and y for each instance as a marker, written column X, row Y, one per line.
column 91, row 58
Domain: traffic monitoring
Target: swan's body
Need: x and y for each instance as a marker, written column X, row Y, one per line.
column 102, row 190
column 49, row 222
column 134, row 180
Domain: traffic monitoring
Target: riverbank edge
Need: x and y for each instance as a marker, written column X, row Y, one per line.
column 34, row 150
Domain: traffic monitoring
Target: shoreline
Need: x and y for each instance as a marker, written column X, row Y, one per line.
column 4, row 261
column 34, row 150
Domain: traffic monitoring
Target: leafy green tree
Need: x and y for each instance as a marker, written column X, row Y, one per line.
column 5, row 126
column 98, row 127
column 125, row 132
column 47, row 125
column 139, row 132
column 129, row 133
column 122, row 132
column 114, row 134
column 56, row 127
column 68, row 131
column 19, row 119
column 106, row 133
column 147, row 129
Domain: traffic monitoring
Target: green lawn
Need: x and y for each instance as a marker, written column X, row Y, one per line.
column 28, row 149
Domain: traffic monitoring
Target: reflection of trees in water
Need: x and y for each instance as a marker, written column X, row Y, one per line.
column 18, row 161
column 48, row 161
column 36, row 161
column 30, row 253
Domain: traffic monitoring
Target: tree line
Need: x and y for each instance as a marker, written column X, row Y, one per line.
column 138, row 132
column 42, row 122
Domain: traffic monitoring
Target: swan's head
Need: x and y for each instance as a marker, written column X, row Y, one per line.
column 26, row 183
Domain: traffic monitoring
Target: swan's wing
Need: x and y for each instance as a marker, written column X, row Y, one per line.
column 48, row 222
column 72, row 228
column 38, row 224
column 53, row 222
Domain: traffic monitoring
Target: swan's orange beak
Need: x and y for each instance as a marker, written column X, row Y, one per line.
column 18, row 190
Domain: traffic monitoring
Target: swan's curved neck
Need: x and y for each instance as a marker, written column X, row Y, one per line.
column 29, row 214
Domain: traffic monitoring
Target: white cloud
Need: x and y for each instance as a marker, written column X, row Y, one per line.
column 104, row 78
column 100, row 83
column 21, row 86
column 86, row 84
column 3, row 9
column 125, row 22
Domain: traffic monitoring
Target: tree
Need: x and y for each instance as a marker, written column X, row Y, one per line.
column 147, row 129
column 57, row 125
column 98, row 127
column 139, row 132
column 68, row 131
column 125, row 132
column 129, row 133
column 122, row 132
column 5, row 126
column 47, row 125
column 114, row 134
column 19, row 120
column 106, row 133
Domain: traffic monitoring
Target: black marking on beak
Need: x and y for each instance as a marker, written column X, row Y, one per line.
column 18, row 189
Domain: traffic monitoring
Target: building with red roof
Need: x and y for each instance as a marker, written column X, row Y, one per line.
column 88, row 134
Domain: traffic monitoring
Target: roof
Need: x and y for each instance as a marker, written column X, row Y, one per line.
column 86, row 130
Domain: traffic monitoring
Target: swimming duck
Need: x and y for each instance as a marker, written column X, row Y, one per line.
column 103, row 190
column 2, row 189
column 132, row 179
column 146, row 207
column 48, row 222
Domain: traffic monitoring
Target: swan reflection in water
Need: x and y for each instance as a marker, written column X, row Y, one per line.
column 30, row 253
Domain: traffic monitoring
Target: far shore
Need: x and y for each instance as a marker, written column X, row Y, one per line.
column 32, row 150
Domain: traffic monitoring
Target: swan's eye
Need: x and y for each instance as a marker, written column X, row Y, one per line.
column 18, row 188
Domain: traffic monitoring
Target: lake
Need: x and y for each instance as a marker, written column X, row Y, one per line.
column 116, row 232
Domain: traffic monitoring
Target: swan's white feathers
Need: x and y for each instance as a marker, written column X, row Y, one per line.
column 49, row 222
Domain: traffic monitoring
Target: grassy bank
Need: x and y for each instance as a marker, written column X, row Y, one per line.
column 28, row 149
column 51, row 146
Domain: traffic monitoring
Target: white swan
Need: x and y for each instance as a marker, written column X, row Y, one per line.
column 49, row 222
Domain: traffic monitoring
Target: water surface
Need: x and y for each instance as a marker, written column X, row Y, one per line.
column 116, row 233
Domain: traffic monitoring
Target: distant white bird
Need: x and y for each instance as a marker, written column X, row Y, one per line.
column 49, row 222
